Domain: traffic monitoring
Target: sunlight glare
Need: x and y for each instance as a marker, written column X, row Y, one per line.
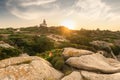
column 69, row 24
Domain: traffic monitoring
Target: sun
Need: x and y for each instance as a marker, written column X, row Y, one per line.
column 68, row 23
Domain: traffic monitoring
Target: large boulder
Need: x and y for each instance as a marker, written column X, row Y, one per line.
column 73, row 76
column 96, row 76
column 19, row 60
column 95, row 62
column 28, row 68
column 72, row 52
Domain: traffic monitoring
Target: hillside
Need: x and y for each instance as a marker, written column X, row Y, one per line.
column 33, row 40
column 66, row 54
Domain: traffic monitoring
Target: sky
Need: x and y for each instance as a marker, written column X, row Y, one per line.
column 88, row 14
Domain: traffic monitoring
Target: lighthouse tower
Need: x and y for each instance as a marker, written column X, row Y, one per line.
column 44, row 24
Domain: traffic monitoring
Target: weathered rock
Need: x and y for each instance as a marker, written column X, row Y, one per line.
column 96, row 76
column 57, row 38
column 72, row 52
column 5, row 45
column 28, row 68
column 18, row 60
column 73, row 76
column 104, row 45
column 94, row 62
column 101, row 44
column 24, row 55
column 113, row 62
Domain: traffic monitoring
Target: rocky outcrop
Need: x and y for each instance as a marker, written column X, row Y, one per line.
column 28, row 68
column 94, row 62
column 72, row 52
column 97, row 76
column 73, row 76
column 85, row 65
column 20, row 60
column 94, row 67
column 102, row 44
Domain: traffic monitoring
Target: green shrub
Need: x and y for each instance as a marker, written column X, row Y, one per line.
column 8, row 52
column 31, row 44
column 55, row 52
column 56, row 59
column 42, row 44
column 116, row 50
column 58, row 62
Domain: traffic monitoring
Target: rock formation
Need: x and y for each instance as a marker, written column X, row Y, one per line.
column 93, row 66
column 72, row 52
column 94, row 62
column 87, row 66
column 97, row 76
column 28, row 68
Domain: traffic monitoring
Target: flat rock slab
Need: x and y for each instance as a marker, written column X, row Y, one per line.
column 94, row 62
column 19, row 60
column 95, row 76
column 72, row 52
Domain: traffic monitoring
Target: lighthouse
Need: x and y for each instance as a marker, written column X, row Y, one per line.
column 44, row 24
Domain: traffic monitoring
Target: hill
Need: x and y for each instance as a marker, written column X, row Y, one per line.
column 64, row 49
column 34, row 40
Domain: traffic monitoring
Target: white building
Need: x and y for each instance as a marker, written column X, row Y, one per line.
column 44, row 24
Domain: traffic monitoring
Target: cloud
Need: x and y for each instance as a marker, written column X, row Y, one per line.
column 114, row 4
column 93, row 9
column 36, row 2
column 82, row 9
column 26, row 15
column 31, row 9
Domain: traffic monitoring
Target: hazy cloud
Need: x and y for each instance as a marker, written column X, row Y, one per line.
column 114, row 4
column 82, row 9
column 36, row 2
column 93, row 8
column 30, row 9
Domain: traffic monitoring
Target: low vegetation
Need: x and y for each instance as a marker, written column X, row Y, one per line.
column 9, row 52
column 34, row 41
